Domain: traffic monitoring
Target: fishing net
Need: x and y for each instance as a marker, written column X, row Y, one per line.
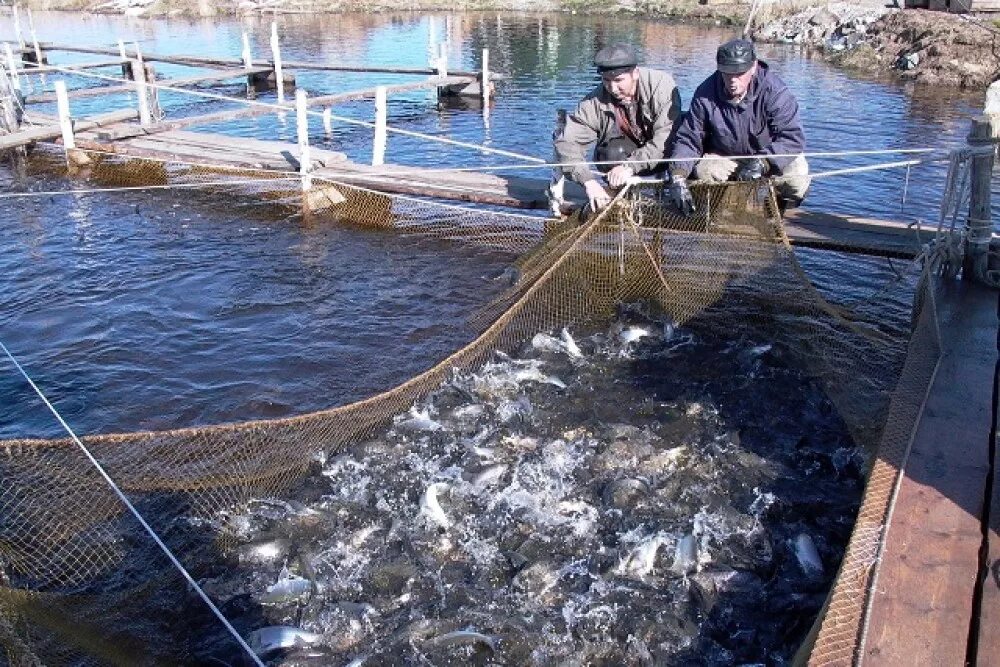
column 728, row 267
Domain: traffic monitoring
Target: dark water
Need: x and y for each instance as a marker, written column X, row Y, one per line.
column 154, row 310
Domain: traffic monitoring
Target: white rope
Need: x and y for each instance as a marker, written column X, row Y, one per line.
column 134, row 511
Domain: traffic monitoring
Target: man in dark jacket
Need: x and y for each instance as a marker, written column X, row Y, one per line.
column 629, row 117
column 743, row 124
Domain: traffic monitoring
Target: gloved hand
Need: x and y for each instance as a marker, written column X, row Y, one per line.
column 618, row 176
column 681, row 195
column 751, row 169
column 596, row 195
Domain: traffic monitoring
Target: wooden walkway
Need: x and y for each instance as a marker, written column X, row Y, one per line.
column 930, row 606
column 804, row 228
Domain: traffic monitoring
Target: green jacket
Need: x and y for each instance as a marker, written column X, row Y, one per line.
column 594, row 122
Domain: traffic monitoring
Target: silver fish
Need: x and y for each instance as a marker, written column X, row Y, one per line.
column 462, row 637
column 633, row 334
column 489, row 475
column 572, row 349
column 431, row 508
column 685, row 555
column 279, row 637
column 418, row 420
column 547, row 343
column 263, row 552
column 642, row 558
column 289, row 588
column 806, row 554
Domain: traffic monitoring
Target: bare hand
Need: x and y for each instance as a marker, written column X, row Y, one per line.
column 618, row 176
column 597, row 195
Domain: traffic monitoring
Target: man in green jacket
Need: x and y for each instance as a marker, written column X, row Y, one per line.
column 629, row 117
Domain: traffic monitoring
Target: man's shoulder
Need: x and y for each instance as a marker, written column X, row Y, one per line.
column 770, row 81
column 707, row 91
column 656, row 76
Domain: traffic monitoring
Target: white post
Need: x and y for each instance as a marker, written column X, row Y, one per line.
column 121, row 50
column 328, row 121
column 139, row 74
column 432, row 41
column 302, row 125
column 34, row 42
column 15, row 80
column 381, row 110
column 484, row 80
column 276, row 54
column 65, row 121
column 17, row 27
column 138, row 55
column 247, row 56
column 442, row 62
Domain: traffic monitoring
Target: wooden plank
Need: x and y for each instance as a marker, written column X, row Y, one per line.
column 250, row 111
column 830, row 232
column 922, row 606
column 52, row 131
column 988, row 646
column 219, row 75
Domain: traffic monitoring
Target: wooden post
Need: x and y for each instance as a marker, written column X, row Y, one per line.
column 302, row 127
column 139, row 74
column 39, row 59
column 985, row 131
column 121, row 50
column 247, row 57
column 381, row 111
column 65, row 120
column 15, row 80
column 8, row 105
column 432, row 54
column 328, row 121
column 442, row 61
column 484, row 79
column 17, row 27
column 276, row 55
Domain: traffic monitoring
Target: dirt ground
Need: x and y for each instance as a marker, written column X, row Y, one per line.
column 931, row 47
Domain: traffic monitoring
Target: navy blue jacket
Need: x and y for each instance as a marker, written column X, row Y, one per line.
column 765, row 122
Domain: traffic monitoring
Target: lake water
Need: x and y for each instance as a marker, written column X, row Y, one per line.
column 153, row 310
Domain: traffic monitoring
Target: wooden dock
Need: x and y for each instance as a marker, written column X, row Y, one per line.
column 930, row 605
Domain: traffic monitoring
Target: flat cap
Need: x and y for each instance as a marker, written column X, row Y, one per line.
column 735, row 56
column 615, row 57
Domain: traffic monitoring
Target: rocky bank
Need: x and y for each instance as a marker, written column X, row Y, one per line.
column 915, row 44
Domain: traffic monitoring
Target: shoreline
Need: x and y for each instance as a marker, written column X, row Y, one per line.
column 915, row 45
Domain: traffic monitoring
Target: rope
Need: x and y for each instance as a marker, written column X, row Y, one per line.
column 121, row 496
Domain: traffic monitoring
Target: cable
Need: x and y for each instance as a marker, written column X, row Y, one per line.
column 135, row 512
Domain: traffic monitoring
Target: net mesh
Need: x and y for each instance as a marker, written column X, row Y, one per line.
column 63, row 532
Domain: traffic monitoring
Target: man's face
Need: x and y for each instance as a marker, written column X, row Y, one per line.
column 622, row 86
column 737, row 84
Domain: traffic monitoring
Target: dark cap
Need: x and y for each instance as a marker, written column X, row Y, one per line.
column 735, row 56
column 615, row 58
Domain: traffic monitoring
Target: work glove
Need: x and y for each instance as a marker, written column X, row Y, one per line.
column 597, row 196
column 681, row 195
column 751, row 169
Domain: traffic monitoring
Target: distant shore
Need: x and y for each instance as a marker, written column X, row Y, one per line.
column 912, row 44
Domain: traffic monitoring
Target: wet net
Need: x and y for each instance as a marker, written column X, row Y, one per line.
column 729, row 267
